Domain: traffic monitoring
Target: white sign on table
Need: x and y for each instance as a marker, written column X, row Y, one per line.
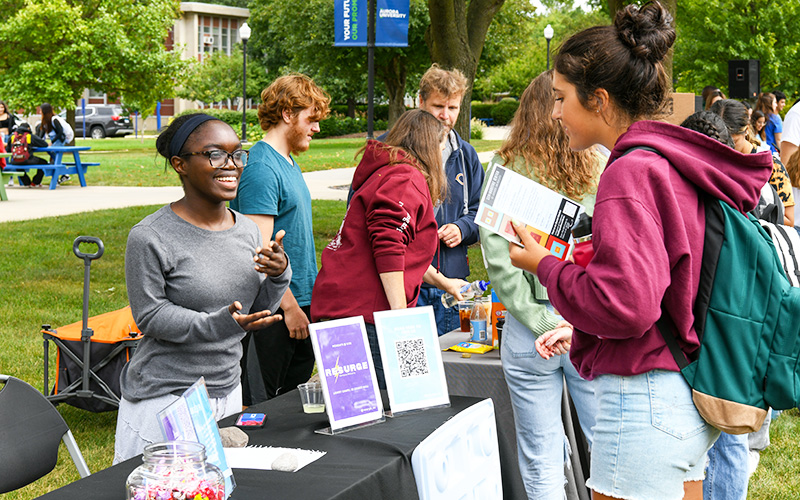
column 412, row 359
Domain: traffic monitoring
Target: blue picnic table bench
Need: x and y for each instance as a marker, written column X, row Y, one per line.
column 59, row 167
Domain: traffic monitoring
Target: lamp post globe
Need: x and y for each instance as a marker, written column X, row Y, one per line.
column 244, row 35
column 548, row 35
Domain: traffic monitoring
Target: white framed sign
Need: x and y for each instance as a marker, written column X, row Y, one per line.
column 412, row 359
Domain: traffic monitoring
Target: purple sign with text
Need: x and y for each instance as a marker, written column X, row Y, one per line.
column 345, row 367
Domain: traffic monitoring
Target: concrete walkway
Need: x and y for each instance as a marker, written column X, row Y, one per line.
column 34, row 203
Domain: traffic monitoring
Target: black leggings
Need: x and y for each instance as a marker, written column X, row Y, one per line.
column 33, row 160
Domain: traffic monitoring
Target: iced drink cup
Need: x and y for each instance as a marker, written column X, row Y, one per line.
column 311, row 397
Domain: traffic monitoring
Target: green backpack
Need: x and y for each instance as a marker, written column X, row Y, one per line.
column 747, row 318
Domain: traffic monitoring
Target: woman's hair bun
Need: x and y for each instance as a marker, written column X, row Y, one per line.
column 647, row 31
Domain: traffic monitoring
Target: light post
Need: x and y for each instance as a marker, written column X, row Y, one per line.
column 548, row 34
column 244, row 34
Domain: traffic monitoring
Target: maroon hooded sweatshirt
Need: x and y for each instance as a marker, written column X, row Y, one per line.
column 389, row 226
column 647, row 235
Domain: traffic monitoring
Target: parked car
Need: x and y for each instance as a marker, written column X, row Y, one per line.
column 102, row 120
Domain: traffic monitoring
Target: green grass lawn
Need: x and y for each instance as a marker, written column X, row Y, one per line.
column 41, row 282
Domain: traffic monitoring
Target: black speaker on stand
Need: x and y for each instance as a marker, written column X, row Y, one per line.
column 744, row 78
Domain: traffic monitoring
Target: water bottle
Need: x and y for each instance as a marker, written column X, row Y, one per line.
column 477, row 287
column 477, row 322
column 582, row 233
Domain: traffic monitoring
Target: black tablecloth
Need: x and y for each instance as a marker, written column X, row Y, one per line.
column 372, row 462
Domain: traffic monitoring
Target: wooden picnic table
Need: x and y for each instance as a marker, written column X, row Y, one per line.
column 59, row 167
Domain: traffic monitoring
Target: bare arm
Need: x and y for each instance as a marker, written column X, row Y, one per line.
column 450, row 285
column 787, row 150
column 788, row 216
column 394, row 287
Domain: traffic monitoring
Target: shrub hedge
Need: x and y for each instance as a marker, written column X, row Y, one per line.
column 332, row 126
column 503, row 111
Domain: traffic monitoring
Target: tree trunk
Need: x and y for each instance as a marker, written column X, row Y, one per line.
column 351, row 107
column 71, row 121
column 394, row 78
column 455, row 39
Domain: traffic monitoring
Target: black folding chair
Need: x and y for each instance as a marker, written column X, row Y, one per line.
column 30, row 431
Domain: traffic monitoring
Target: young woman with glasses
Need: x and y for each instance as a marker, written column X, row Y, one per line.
column 194, row 270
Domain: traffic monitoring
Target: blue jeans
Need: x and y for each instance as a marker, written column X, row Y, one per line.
column 649, row 438
column 54, row 143
column 446, row 318
column 727, row 472
column 535, row 386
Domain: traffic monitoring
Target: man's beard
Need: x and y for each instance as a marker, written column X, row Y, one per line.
column 297, row 138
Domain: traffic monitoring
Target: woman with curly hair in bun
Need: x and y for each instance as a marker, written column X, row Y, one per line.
column 538, row 149
column 649, row 441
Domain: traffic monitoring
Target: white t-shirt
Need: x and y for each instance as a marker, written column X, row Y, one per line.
column 791, row 125
column 67, row 129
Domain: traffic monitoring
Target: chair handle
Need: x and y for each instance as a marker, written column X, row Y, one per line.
column 88, row 256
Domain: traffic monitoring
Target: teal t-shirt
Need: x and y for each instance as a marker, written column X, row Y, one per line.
column 271, row 186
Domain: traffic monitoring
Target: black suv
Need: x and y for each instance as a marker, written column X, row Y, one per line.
column 102, row 120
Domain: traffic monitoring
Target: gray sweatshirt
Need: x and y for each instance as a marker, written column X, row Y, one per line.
column 181, row 280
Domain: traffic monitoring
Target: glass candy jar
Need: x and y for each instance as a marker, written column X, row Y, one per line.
column 176, row 470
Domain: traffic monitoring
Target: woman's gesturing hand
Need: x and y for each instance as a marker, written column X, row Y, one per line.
column 253, row 321
column 272, row 260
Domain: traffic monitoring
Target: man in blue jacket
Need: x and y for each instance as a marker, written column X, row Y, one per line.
column 440, row 93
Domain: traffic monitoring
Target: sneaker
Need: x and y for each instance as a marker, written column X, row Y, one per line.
column 34, row 185
column 63, row 178
column 11, row 181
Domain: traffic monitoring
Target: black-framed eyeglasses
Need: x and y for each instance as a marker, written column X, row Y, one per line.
column 219, row 158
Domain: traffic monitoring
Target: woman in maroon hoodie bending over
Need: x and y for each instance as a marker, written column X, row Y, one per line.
column 649, row 440
column 383, row 250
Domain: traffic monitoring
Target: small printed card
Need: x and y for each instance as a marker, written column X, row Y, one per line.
column 190, row 419
column 347, row 373
column 548, row 216
column 412, row 360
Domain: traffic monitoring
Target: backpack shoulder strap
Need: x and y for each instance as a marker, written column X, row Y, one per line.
column 712, row 245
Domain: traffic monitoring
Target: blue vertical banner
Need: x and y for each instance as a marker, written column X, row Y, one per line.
column 351, row 22
column 391, row 26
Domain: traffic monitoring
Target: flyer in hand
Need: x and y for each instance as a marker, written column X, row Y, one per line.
column 548, row 216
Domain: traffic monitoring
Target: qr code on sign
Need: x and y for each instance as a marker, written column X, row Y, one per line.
column 411, row 358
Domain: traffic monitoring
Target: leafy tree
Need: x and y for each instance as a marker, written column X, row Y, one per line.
column 709, row 36
column 219, row 77
column 300, row 36
column 54, row 49
column 524, row 60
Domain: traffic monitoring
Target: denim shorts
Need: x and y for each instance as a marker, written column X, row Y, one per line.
column 648, row 438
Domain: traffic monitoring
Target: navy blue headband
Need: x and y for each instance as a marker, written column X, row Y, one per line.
column 183, row 133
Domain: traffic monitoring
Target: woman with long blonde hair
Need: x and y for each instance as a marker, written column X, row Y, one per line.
column 384, row 247
column 538, row 148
